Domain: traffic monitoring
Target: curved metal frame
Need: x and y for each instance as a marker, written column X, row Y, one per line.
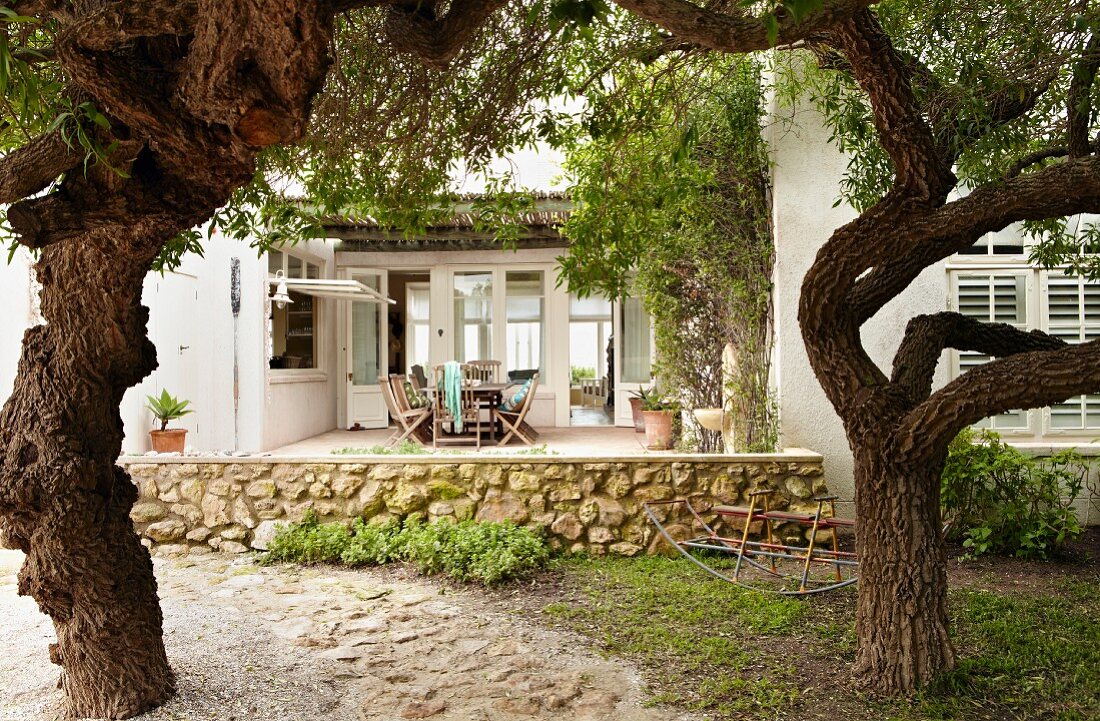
column 712, row 539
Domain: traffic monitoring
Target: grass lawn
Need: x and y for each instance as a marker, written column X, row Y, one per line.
column 1027, row 635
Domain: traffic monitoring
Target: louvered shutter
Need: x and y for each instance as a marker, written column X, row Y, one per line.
column 999, row 298
column 1073, row 314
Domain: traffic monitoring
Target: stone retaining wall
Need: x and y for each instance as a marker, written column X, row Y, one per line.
column 190, row 505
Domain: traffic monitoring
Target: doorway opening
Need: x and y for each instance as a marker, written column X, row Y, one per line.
column 408, row 324
column 591, row 362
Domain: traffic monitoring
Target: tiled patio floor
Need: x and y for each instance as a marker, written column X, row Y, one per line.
column 584, row 441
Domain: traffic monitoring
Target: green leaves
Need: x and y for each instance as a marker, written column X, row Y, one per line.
column 166, row 407
column 998, row 500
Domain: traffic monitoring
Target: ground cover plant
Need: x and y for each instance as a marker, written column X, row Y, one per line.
column 412, row 448
column 1026, row 650
column 484, row 552
column 996, row 499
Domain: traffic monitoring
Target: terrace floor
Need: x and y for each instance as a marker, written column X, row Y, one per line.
column 601, row 441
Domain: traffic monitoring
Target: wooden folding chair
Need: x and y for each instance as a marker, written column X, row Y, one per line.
column 469, row 408
column 410, row 421
column 486, row 371
column 513, row 423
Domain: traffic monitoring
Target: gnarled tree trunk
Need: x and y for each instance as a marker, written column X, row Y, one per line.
column 901, row 619
column 61, row 435
column 193, row 91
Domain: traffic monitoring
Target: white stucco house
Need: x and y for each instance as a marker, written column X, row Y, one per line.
column 270, row 376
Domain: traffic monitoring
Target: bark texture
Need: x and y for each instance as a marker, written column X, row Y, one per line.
column 192, row 90
column 898, row 428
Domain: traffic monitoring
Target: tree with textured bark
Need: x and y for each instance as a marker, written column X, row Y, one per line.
column 127, row 124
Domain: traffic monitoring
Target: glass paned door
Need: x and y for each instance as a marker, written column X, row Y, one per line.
column 633, row 335
column 473, row 315
column 365, row 354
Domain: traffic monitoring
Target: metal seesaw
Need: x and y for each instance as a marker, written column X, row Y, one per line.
column 816, row 569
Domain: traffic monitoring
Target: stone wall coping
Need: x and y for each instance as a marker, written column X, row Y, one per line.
column 788, row 455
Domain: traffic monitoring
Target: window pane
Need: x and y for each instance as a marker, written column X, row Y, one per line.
column 365, row 365
column 635, row 342
column 593, row 307
column 418, row 334
column 293, row 338
column 293, row 267
column 313, row 271
column 525, row 307
column 473, row 315
column 274, row 261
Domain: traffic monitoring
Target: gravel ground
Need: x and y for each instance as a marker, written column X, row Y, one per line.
column 289, row 643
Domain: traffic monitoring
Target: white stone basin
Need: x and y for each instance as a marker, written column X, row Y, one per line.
column 709, row 418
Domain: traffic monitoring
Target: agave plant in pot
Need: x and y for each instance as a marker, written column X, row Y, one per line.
column 658, row 411
column 166, row 408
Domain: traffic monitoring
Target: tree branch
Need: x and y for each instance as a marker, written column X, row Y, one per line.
column 1064, row 189
column 739, row 32
column 1079, row 100
column 414, row 28
column 1025, row 380
column 927, row 336
column 27, row 170
column 119, row 23
column 920, row 171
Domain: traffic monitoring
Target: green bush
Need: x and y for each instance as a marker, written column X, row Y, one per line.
column 468, row 551
column 309, row 542
column 579, row 373
column 373, row 544
column 472, row 551
column 999, row 500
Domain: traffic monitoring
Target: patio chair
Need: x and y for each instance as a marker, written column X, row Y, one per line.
column 420, row 380
column 468, row 408
column 410, row 421
column 513, row 422
column 486, row 371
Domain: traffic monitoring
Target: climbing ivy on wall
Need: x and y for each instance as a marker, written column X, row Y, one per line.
column 671, row 194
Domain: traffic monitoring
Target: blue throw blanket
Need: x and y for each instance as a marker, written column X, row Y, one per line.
column 452, row 391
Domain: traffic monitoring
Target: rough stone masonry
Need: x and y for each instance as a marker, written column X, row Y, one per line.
column 192, row 506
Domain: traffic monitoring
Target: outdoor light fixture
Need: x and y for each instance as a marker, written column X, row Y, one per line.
column 281, row 297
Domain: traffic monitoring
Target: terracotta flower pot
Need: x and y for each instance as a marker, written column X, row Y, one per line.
column 170, row 441
column 658, row 430
column 636, row 413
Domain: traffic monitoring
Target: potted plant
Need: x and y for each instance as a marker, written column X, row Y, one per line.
column 657, row 412
column 166, row 408
column 637, row 399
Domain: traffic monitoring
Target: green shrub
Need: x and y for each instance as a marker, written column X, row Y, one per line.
column 486, row 552
column 309, row 542
column 999, row 500
column 472, row 551
column 373, row 544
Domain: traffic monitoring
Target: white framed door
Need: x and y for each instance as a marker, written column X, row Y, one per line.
column 634, row 354
column 367, row 332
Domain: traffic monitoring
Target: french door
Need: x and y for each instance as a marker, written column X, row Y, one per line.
column 367, row 334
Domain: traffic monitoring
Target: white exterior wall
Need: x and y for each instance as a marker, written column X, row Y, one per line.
column 191, row 307
column 806, row 182
column 15, row 299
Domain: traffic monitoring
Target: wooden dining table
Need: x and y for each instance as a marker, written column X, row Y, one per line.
column 489, row 397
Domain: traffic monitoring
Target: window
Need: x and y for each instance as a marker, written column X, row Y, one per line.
column 1009, row 241
column 418, row 325
column 1073, row 314
column 293, row 329
column 525, row 309
column 590, row 335
column 473, row 298
column 1067, row 307
column 635, row 345
column 994, row 298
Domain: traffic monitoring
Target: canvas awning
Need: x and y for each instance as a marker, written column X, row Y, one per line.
column 351, row 290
